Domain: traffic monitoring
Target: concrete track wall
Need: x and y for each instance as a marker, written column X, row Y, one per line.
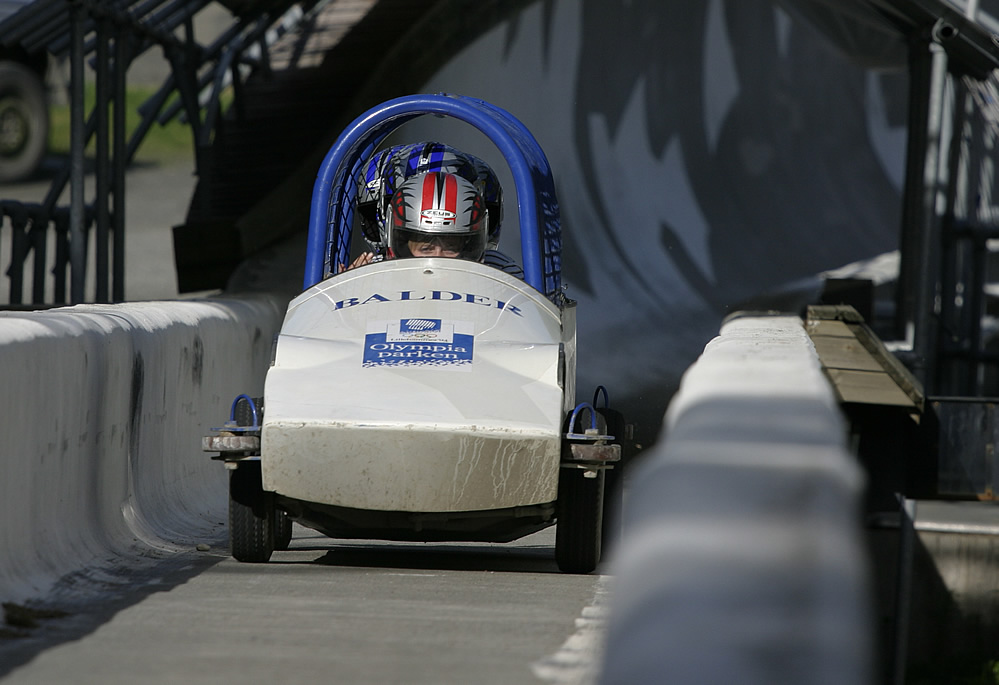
column 743, row 557
column 101, row 417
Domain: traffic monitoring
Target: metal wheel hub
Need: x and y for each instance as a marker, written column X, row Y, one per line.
column 14, row 127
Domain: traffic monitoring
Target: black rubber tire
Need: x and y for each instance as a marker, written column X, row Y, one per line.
column 251, row 516
column 282, row 530
column 614, row 479
column 579, row 530
column 24, row 122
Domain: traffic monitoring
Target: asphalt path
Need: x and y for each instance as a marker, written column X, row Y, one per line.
column 333, row 611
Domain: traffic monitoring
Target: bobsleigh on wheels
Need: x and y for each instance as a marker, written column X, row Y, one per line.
column 423, row 398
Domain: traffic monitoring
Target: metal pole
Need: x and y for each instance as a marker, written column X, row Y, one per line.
column 903, row 588
column 18, row 251
column 957, row 349
column 920, row 240
column 920, row 61
column 934, row 184
column 77, row 236
column 120, row 160
column 103, row 161
column 37, row 237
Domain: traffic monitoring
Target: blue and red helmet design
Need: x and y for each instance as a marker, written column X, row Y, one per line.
column 389, row 168
column 441, row 208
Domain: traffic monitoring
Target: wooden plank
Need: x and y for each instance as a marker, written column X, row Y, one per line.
column 866, row 387
column 908, row 383
column 839, row 312
column 845, row 353
column 831, row 329
column 858, row 364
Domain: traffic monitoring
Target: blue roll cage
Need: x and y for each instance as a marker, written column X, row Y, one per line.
column 335, row 189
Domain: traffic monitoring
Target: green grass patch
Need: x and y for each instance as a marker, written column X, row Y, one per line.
column 955, row 671
column 172, row 142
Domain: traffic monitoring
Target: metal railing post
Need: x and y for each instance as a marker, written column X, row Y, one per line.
column 77, row 240
column 101, row 271
column 120, row 160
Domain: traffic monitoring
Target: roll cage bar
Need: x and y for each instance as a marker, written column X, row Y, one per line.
column 335, row 189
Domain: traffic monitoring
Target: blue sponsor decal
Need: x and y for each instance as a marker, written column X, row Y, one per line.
column 418, row 343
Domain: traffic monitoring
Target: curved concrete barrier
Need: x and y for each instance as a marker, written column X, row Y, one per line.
column 101, row 417
column 743, row 557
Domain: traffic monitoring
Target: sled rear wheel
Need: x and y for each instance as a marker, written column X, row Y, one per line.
column 579, row 529
column 282, row 530
column 613, row 516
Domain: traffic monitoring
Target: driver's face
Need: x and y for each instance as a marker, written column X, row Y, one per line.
column 433, row 249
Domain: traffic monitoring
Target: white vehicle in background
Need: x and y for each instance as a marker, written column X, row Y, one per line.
column 424, row 399
column 24, row 105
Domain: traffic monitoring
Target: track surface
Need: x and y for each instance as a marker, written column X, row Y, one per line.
column 328, row 611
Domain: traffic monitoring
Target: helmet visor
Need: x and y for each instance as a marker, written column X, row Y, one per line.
column 409, row 243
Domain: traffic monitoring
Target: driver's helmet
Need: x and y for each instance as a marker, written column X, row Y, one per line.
column 389, row 168
column 437, row 214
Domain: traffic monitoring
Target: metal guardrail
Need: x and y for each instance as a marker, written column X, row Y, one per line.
column 972, row 9
column 111, row 34
column 30, row 227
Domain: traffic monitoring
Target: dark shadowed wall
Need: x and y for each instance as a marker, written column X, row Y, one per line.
column 705, row 153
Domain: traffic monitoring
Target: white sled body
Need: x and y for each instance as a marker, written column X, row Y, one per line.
column 419, row 385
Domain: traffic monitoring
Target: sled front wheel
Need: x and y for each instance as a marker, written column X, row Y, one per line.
column 251, row 515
